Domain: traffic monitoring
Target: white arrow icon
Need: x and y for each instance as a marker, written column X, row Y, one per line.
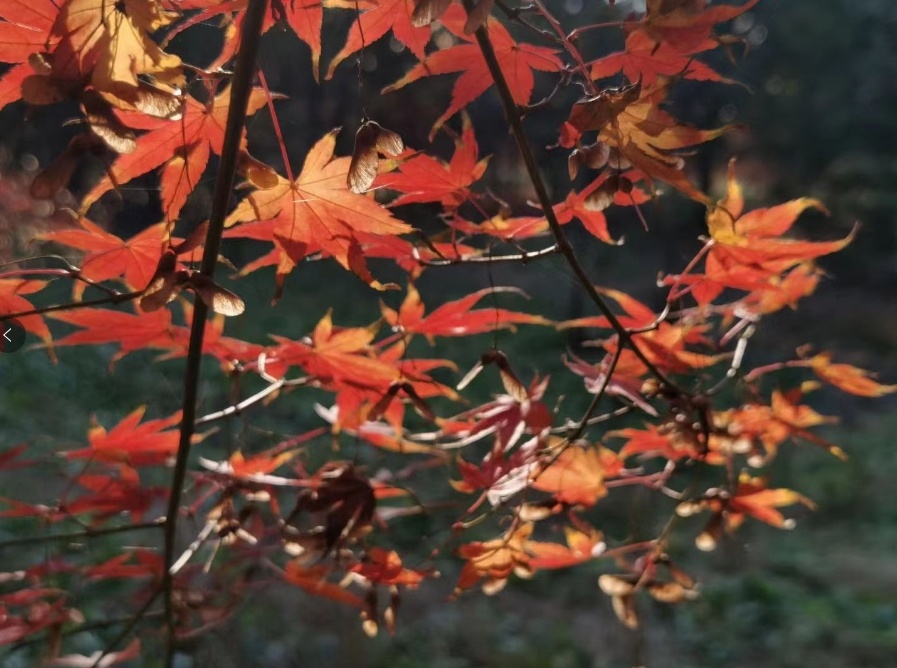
column 5, row 335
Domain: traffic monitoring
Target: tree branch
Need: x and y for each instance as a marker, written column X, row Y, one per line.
column 224, row 182
column 512, row 115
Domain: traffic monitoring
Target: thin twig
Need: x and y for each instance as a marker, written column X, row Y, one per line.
column 83, row 628
column 117, row 298
column 569, row 47
column 236, row 117
column 84, row 533
column 125, row 632
column 522, row 258
column 239, row 407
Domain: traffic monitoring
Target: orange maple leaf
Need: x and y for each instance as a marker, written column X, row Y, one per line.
column 749, row 252
column 110, row 44
column 751, row 498
column 583, row 544
column 848, row 378
column 496, row 560
column 182, row 146
column 785, row 417
column 315, row 213
column 645, row 60
column 517, row 62
column 313, row 579
column 576, row 476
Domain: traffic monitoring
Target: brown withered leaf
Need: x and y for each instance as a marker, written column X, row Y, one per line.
column 595, row 112
column 41, row 90
column 644, row 136
column 370, row 140
column 338, row 507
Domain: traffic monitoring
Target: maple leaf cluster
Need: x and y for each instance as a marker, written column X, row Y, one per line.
column 518, row 471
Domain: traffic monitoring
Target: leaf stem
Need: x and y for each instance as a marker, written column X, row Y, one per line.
column 569, row 47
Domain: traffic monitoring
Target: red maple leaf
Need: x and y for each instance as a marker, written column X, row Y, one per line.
column 334, row 356
column 131, row 331
column 315, row 213
column 226, row 349
column 645, row 60
column 666, row 345
column 685, row 24
column 110, row 256
column 576, row 476
column 384, row 567
column 377, row 18
column 517, row 61
column 12, row 301
column 313, row 579
column 24, row 30
column 423, row 178
column 303, row 17
column 133, row 443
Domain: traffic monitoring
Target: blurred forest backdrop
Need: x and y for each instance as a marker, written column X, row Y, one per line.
column 819, row 105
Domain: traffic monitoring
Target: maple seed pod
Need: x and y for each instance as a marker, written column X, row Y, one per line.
column 593, row 157
column 478, row 16
column 370, row 140
column 427, row 11
column 603, row 195
column 618, row 160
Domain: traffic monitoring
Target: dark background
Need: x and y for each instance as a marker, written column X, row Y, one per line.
column 820, row 101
